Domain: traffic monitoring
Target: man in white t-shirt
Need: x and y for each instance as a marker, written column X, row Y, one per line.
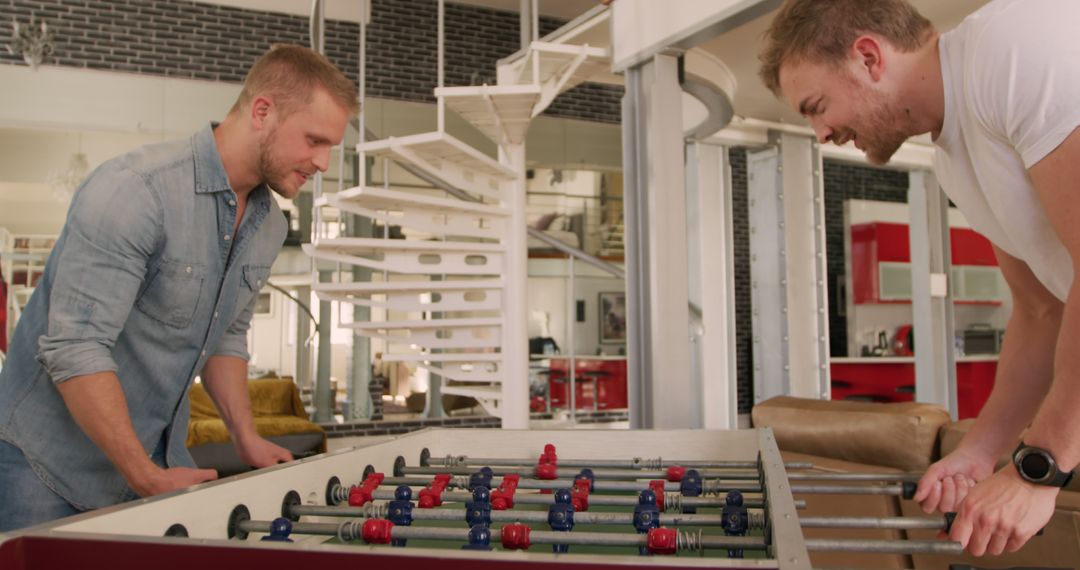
column 1000, row 95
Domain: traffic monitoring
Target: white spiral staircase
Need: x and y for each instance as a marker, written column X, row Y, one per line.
column 463, row 262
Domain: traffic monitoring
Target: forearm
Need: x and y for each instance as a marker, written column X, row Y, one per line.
column 226, row 381
column 1024, row 374
column 97, row 403
column 1057, row 425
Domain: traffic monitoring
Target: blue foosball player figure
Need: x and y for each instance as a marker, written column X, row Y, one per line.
column 399, row 511
column 690, row 486
column 481, row 478
column 478, row 510
column 561, row 517
column 280, row 529
column 479, row 538
column 735, row 520
column 646, row 515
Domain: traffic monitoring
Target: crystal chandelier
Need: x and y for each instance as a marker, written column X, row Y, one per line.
column 33, row 42
column 64, row 182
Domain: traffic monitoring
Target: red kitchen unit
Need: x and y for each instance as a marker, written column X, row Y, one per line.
column 893, row 380
column 599, row 383
column 875, row 243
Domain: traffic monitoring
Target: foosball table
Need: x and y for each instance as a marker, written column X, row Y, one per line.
column 469, row 498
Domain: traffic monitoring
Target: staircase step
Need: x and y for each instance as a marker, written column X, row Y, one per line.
column 443, row 357
column 412, row 256
column 448, row 217
column 502, row 112
column 553, row 61
column 478, row 392
column 487, row 298
column 375, row 198
column 487, row 372
column 435, row 334
column 380, row 287
column 464, row 324
column 447, row 158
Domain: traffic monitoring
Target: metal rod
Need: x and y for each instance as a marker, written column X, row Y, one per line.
column 818, row 476
column 885, row 546
column 635, row 463
column 673, row 501
column 890, row 523
column 458, row 514
column 350, row 530
column 708, row 485
column 615, row 474
column 897, row 490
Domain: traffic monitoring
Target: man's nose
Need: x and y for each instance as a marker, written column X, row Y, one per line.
column 823, row 133
column 322, row 159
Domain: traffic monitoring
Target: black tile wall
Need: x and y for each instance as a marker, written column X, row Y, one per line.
column 186, row 39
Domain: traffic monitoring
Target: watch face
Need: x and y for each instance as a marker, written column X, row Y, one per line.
column 1035, row 465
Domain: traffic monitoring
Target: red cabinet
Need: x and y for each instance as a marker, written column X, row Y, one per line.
column 893, row 380
column 599, row 383
column 881, row 264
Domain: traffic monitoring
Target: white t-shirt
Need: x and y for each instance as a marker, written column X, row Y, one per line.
column 1012, row 95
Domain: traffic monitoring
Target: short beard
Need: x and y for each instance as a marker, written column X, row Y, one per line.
column 883, row 131
column 266, row 162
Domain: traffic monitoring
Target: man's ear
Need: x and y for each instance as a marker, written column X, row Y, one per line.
column 869, row 54
column 261, row 109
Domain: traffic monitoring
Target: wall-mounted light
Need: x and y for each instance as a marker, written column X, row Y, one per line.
column 33, row 42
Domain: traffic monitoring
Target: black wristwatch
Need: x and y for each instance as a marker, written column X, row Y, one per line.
column 1037, row 466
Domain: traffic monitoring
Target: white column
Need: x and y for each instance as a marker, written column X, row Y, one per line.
column 931, row 303
column 515, row 344
column 711, row 248
column 787, row 267
column 657, row 275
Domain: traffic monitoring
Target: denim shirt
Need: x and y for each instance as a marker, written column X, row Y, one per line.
column 147, row 281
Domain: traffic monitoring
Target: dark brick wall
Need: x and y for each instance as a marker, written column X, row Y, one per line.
column 176, row 38
column 843, row 182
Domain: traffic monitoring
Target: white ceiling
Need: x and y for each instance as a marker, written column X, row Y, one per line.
column 738, row 48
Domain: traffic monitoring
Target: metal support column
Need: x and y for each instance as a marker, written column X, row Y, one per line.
column 931, row 304
column 515, row 346
column 324, row 398
column 711, row 249
column 789, row 296
column 659, row 385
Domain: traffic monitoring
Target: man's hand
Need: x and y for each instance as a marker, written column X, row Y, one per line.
column 258, row 452
column 1002, row 513
column 946, row 483
column 157, row 480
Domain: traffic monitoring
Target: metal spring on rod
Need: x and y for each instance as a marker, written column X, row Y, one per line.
column 375, row 511
column 459, row 481
column 339, row 494
column 689, row 542
column 453, row 460
column 349, row 530
column 757, row 520
column 673, row 502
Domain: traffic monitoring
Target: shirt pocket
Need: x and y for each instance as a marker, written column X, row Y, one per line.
column 172, row 295
column 255, row 276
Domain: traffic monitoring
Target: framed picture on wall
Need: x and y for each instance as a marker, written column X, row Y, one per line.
column 612, row 317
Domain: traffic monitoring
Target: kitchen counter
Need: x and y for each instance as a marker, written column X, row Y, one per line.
column 906, row 359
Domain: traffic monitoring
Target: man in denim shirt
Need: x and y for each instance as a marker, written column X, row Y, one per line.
column 152, row 282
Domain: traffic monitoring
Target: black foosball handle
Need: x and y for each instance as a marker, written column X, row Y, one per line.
column 950, row 517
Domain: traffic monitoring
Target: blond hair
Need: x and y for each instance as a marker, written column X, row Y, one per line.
column 289, row 74
column 822, row 31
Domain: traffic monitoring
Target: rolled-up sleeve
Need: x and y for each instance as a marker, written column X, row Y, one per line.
column 112, row 229
column 234, row 341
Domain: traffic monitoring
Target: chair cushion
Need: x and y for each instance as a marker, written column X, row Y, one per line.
column 900, row 435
